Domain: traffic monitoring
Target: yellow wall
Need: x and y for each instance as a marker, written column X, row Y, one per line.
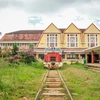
column 99, row 39
column 85, row 40
column 59, row 41
column 79, row 40
column 92, row 29
column 72, row 29
column 63, row 41
column 42, row 42
column 62, row 37
column 52, row 29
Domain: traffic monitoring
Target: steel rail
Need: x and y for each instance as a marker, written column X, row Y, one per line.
column 66, row 87
column 41, row 87
column 43, row 83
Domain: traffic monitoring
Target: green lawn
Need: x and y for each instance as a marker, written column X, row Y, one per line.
column 17, row 82
column 83, row 84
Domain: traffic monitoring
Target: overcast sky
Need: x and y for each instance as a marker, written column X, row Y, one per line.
column 38, row 14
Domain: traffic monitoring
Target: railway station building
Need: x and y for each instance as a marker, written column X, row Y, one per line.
column 76, row 44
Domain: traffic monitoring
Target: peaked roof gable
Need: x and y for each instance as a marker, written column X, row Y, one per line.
column 92, row 29
column 51, row 29
column 72, row 29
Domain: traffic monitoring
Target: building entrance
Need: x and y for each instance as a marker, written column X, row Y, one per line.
column 96, row 58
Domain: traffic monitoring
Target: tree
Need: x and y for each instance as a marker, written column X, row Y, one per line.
column 15, row 49
column 31, row 46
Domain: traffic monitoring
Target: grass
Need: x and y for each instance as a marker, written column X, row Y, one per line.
column 83, row 84
column 17, row 82
column 23, row 81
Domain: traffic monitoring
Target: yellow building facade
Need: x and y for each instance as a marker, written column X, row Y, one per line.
column 72, row 41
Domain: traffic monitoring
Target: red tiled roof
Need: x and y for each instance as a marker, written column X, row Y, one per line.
column 82, row 30
column 62, row 29
column 27, row 35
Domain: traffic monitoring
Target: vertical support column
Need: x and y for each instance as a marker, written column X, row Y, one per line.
column 65, row 56
column 79, row 60
column 86, row 57
column 79, row 56
column 36, row 55
column 92, row 57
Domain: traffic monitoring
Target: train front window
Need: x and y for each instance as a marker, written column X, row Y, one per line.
column 53, row 50
column 53, row 59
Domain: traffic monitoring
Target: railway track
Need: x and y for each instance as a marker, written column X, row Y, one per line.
column 53, row 87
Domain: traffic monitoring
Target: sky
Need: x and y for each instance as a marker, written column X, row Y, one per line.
column 38, row 14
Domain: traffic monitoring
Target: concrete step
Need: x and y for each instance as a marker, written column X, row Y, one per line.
column 53, row 85
column 54, row 94
column 95, row 70
column 53, row 98
column 53, row 82
column 52, row 76
column 53, row 88
column 53, row 79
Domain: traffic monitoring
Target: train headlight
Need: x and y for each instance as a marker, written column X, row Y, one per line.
column 44, row 63
column 60, row 64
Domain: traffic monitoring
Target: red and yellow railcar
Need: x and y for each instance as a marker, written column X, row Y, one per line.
column 53, row 58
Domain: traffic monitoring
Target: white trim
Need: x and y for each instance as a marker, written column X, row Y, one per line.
column 74, row 51
column 91, row 48
column 54, row 36
column 95, row 38
column 18, row 41
column 69, row 42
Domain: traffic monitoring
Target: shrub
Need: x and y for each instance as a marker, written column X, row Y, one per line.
column 15, row 59
column 27, row 56
column 5, row 52
column 9, row 54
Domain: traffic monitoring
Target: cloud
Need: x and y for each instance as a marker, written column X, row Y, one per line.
column 35, row 20
column 45, row 6
column 38, row 14
column 87, row 7
column 37, row 6
column 97, row 22
column 9, row 3
column 13, row 20
column 90, row 9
